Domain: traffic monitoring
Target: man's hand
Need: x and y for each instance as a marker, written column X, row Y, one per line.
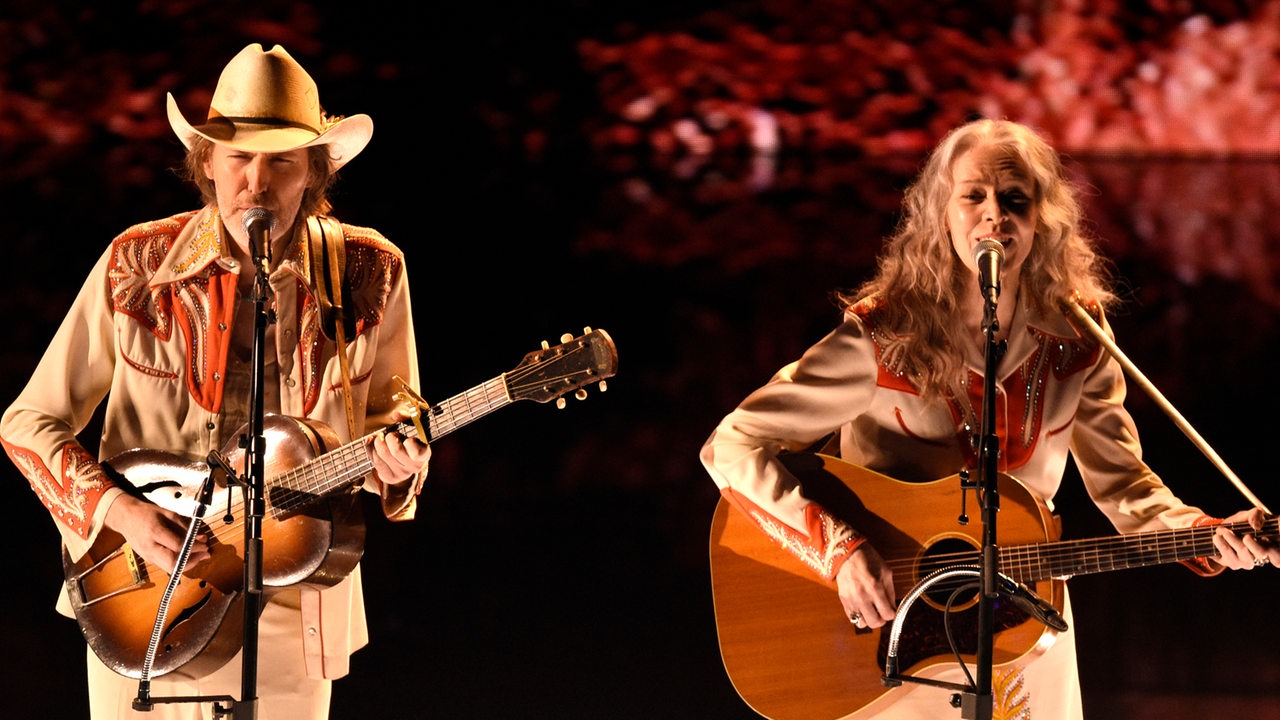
column 396, row 459
column 154, row 532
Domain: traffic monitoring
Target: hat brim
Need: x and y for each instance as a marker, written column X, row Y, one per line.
column 345, row 138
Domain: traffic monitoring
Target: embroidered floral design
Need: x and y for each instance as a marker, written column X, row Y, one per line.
column 311, row 345
column 822, row 559
column 73, row 499
column 1009, row 701
column 192, row 295
column 205, row 244
column 1020, row 414
column 821, row 553
column 134, row 259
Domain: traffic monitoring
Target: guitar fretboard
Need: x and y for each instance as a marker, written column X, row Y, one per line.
column 1064, row 559
column 542, row 376
column 468, row 406
column 347, row 466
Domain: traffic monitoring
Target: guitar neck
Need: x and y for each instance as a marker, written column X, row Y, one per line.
column 1064, row 559
column 542, row 376
column 466, row 407
column 347, row 466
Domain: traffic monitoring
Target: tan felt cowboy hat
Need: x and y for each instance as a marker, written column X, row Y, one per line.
column 266, row 102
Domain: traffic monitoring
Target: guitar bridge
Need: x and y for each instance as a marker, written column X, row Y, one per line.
column 95, row 584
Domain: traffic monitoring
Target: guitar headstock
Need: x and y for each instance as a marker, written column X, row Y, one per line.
column 543, row 375
column 551, row 372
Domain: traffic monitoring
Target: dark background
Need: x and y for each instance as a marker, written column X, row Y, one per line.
column 558, row 566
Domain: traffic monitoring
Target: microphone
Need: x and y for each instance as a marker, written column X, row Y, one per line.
column 988, row 255
column 258, row 223
column 1032, row 604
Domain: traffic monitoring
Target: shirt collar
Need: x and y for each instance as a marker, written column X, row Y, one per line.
column 204, row 242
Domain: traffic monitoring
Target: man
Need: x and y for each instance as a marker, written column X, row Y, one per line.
column 164, row 330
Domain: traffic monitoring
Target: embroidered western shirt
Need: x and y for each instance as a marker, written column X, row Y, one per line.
column 150, row 333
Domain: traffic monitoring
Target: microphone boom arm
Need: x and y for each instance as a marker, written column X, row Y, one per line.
column 1078, row 312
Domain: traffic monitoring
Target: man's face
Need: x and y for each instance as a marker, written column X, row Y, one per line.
column 244, row 180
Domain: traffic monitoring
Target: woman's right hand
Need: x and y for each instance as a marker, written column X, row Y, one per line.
column 865, row 585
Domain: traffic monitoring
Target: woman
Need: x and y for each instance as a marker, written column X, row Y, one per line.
column 900, row 384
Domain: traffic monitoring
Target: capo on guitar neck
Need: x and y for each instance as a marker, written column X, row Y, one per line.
column 416, row 405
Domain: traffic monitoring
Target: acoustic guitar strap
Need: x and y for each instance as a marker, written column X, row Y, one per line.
column 328, row 265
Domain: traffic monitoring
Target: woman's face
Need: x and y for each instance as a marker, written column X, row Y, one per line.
column 992, row 197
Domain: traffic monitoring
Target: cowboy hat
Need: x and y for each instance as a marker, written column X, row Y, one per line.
column 265, row 102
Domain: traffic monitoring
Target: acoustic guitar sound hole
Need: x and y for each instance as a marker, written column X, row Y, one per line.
column 961, row 590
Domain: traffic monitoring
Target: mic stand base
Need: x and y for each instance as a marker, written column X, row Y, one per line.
column 219, row 711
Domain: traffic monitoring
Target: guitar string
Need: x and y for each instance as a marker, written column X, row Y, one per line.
column 1073, row 557
column 442, row 418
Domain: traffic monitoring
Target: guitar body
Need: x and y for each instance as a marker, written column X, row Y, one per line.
column 116, row 595
column 786, row 644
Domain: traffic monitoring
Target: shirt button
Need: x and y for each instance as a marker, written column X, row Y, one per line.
column 222, row 327
column 311, row 631
column 217, row 377
column 289, row 381
column 210, row 425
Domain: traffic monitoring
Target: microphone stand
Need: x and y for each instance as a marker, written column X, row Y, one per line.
column 978, row 705
column 254, row 485
column 976, row 698
column 255, row 482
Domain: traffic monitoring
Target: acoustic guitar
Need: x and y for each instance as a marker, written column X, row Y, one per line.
column 312, row 530
column 786, row 644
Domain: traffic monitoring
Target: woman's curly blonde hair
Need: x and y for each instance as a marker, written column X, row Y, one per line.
column 919, row 278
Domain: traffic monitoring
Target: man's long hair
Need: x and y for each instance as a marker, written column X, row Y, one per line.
column 919, row 278
column 315, row 199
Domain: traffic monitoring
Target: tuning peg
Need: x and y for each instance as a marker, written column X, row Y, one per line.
column 560, row 403
column 546, row 345
column 566, row 338
column 581, row 394
column 603, row 385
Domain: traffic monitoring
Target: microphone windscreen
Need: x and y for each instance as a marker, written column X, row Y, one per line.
column 258, row 216
column 983, row 247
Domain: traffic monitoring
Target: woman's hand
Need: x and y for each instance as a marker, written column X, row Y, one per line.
column 1245, row 552
column 865, row 585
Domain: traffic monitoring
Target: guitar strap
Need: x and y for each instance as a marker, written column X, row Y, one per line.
column 327, row 250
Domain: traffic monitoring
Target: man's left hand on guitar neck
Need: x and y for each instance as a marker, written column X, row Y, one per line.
column 398, row 460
